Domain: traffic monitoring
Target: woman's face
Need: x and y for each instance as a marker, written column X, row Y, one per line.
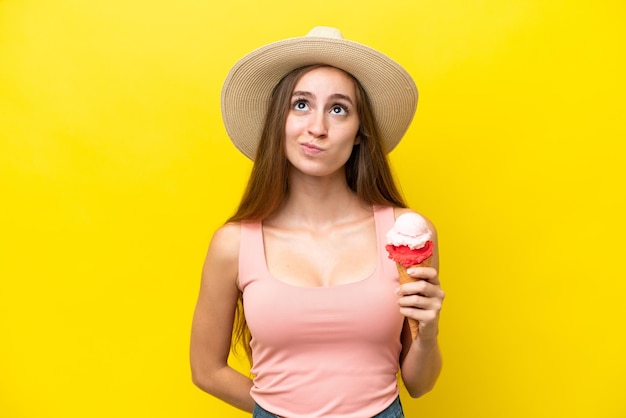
column 322, row 122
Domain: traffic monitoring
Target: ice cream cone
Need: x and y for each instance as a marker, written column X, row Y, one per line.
column 409, row 244
column 406, row 278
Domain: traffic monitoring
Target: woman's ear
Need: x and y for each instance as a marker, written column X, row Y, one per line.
column 359, row 135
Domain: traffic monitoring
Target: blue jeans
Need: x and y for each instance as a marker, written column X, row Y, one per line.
column 392, row 411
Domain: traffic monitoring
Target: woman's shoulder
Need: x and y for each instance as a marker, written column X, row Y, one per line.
column 225, row 242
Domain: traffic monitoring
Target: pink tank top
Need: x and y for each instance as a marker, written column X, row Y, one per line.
column 329, row 352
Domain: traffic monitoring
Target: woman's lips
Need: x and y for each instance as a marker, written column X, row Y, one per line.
column 311, row 149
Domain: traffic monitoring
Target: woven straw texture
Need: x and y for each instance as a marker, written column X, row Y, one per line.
column 248, row 86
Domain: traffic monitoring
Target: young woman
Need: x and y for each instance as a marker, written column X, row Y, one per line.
column 299, row 274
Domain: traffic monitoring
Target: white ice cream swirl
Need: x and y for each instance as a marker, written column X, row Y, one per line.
column 411, row 230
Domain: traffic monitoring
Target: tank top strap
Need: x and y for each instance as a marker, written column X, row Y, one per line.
column 251, row 252
column 384, row 218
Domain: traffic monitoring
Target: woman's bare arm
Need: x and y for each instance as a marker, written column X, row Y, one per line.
column 421, row 362
column 213, row 323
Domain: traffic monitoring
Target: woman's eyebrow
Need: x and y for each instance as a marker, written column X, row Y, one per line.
column 302, row 93
column 332, row 96
column 341, row 96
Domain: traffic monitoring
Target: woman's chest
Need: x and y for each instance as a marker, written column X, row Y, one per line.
column 337, row 256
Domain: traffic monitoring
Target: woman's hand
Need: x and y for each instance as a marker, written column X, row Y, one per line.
column 422, row 301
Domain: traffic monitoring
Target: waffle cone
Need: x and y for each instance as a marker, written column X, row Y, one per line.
column 405, row 278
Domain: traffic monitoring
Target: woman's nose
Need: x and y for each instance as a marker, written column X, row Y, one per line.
column 317, row 125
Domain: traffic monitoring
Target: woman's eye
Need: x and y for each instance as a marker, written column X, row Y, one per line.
column 339, row 110
column 300, row 105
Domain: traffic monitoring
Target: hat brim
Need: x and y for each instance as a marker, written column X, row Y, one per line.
column 247, row 89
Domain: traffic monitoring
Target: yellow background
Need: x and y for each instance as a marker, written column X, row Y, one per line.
column 115, row 169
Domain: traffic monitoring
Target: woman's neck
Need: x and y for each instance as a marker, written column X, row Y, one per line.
column 318, row 202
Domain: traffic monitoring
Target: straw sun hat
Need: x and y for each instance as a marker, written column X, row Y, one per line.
column 249, row 84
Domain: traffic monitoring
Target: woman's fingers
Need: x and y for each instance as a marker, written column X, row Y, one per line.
column 421, row 302
column 420, row 287
column 425, row 273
